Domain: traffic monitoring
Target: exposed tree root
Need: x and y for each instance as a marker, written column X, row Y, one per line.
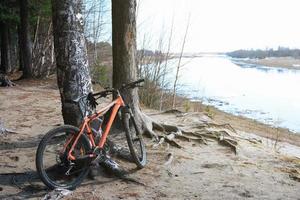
column 58, row 193
column 202, row 133
column 214, row 125
column 171, row 140
column 229, row 142
column 3, row 130
column 5, row 82
column 148, row 125
column 198, row 139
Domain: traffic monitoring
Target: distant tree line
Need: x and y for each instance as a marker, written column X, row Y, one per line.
column 26, row 36
column 258, row 53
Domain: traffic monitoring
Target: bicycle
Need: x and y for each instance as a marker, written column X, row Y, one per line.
column 74, row 149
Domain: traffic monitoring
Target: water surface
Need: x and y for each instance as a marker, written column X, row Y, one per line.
column 269, row 95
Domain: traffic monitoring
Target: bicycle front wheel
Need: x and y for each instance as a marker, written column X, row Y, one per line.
column 135, row 141
column 52, row 163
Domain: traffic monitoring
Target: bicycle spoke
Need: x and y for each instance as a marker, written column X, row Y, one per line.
column 52, row 160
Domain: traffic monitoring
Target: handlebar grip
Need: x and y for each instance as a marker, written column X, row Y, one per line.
column 102, row 93
column 139, row 81
column 135, row 83
column 132, row 84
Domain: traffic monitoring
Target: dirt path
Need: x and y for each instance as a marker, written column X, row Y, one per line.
column 197, row 171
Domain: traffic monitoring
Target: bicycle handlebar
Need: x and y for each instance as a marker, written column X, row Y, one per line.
column 92, row 97
column 132, row 84
column 109, row 91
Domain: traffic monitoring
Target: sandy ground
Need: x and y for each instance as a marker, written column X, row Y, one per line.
column 259, row 170
column 283, row 62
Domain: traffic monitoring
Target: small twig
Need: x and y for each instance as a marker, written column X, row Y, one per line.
column 198, row 172
column 173, row 143
column 131, row 180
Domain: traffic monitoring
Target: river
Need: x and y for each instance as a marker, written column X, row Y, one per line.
column 269, row 95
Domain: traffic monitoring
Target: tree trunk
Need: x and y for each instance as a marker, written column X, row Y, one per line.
column 73, row 74
column 5, row 66
column 124, row 48
column 25, row 39
column 20, row 51
column 124, row 58
column 42, row 58
column 5, row 49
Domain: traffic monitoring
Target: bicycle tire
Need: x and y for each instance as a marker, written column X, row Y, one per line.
column 54, row 176
column 134, row 137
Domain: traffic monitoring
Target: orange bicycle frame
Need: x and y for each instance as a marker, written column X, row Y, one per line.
column 115, row 105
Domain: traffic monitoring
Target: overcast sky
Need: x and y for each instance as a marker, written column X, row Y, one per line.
column 222, row 25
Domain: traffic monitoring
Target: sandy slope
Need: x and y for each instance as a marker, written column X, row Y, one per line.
column 197, row 171
column 282, row 62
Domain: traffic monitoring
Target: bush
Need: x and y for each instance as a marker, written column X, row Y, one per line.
column 101, row 74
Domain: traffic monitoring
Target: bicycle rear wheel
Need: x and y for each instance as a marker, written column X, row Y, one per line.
column 135, row 141
column 52, row 163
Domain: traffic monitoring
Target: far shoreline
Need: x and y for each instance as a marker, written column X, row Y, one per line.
column 274, row 62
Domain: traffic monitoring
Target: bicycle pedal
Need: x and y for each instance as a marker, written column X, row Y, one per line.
column 111, row 163
column 113, row 167
column 99, row 159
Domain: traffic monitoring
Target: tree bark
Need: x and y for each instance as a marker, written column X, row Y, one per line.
column 124, row 58
column 124, row 48
column 26, row 46
column 20, row 51
column 5, row 49
column 5, row 66
column 73, row 74
column 42, row 58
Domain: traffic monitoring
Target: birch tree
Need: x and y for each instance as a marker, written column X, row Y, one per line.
column 73, row 74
